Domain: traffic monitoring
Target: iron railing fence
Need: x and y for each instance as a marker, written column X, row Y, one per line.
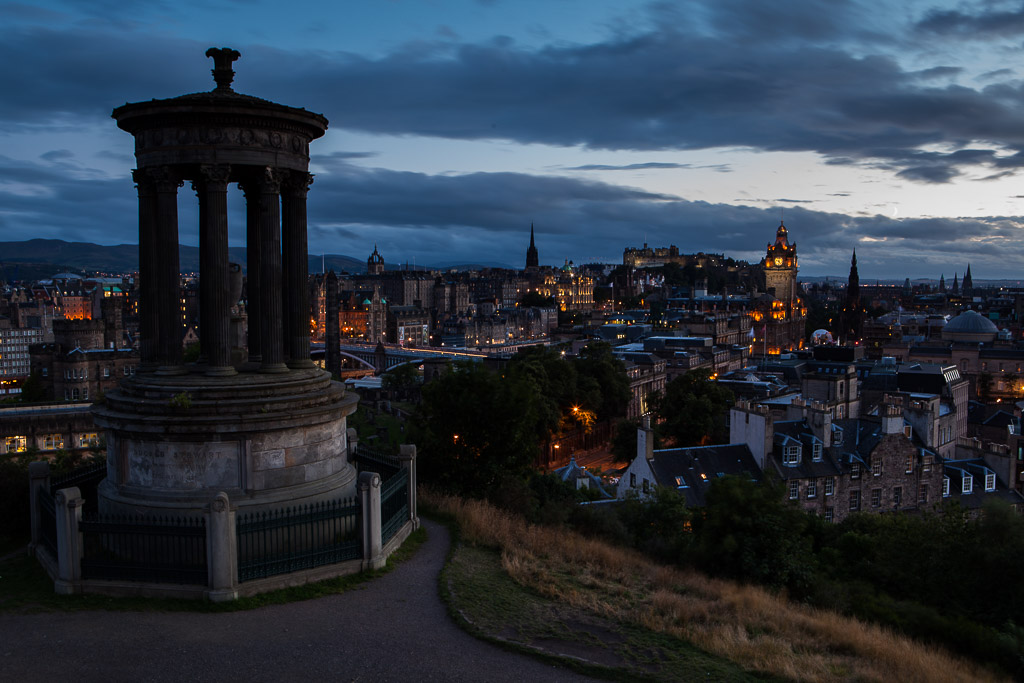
column 282, row 541
column 369, row 460
column 47, row 511
column 150, row 549
column 394, row 505
column 87, row 479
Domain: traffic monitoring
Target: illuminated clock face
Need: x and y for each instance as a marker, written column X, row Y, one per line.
column 778, row 260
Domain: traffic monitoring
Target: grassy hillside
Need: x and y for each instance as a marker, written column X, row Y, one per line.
column 762, row 632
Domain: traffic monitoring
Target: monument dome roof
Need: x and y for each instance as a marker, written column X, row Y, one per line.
column 970, row 326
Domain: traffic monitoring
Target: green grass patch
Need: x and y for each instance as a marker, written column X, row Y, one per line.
column 25, row 587
column 485, row 600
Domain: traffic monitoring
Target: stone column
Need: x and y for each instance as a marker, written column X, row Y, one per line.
column 168, row 275
column 252, row 265
column 38, row 477
column 407, row 455
column 332, row 333
column 271, row 323
column 214, row 271
column 149, row 328
column 221, row 550
column 296, row 268
column 369, row 493
column 68, row 503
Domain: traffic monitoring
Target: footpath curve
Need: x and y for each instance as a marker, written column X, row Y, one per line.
column 394, row 628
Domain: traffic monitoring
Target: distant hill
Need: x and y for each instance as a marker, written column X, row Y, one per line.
column 40, row 258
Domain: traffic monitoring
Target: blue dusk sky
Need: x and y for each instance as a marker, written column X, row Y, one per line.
column 896, row 128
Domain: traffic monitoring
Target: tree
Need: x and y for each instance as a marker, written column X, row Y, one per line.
column 536, row 300
column 984, row 386
column 32, row 389
column 692, row 409
column 475, row 427
column 749, row 532
column 624, row 440
column 401, row 379
column 603, row 386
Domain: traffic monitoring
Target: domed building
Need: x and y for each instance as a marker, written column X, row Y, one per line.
column 970, row 326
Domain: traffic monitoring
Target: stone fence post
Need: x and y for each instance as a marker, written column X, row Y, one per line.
column 38, row 475
column 369, row 492
column 68, row 503
column 221, row 550
column 407, row 454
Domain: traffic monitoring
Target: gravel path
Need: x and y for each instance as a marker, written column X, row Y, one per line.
column 394, row 628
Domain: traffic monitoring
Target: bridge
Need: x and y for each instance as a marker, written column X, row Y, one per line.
column 394, row 355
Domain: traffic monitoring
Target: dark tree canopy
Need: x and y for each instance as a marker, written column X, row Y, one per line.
column 691, row 412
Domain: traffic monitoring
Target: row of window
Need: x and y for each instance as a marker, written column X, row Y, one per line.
column 791, row 454
column 48, row 442
column 811, row 490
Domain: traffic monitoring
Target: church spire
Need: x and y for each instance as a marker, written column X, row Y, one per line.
column 532, row 259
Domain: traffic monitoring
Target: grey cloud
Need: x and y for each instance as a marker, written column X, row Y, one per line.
column 992, row 75
column 627, row 167
column 973, row 26
column 57, row 155
column 938, row 72
column 698, row 91
column 486, row 217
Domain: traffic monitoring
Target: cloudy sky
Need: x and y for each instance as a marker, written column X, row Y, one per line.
column 896, row 128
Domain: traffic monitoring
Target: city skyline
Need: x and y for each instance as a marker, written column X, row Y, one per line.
column 455, row 125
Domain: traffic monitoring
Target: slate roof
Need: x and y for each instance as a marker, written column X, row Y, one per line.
column 976, row 467
column 690, row 471
column 571, row 472
column 797, row 431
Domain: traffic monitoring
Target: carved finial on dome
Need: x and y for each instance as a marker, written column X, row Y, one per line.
column 222, row 72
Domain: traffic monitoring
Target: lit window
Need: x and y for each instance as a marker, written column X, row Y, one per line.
column 910, row 464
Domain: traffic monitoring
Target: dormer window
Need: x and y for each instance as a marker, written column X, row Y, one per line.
column 945, row 487
column 968, row 486
column 816, row 452
column 990, row 482
column 791, row 455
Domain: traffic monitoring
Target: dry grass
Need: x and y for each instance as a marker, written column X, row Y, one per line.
column 746, row 624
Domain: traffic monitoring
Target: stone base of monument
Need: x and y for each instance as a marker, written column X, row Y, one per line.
column 267, row 440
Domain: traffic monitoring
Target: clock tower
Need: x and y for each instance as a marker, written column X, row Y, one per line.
column 780, row 266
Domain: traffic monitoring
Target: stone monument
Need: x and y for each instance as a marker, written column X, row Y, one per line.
column 267, row 427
